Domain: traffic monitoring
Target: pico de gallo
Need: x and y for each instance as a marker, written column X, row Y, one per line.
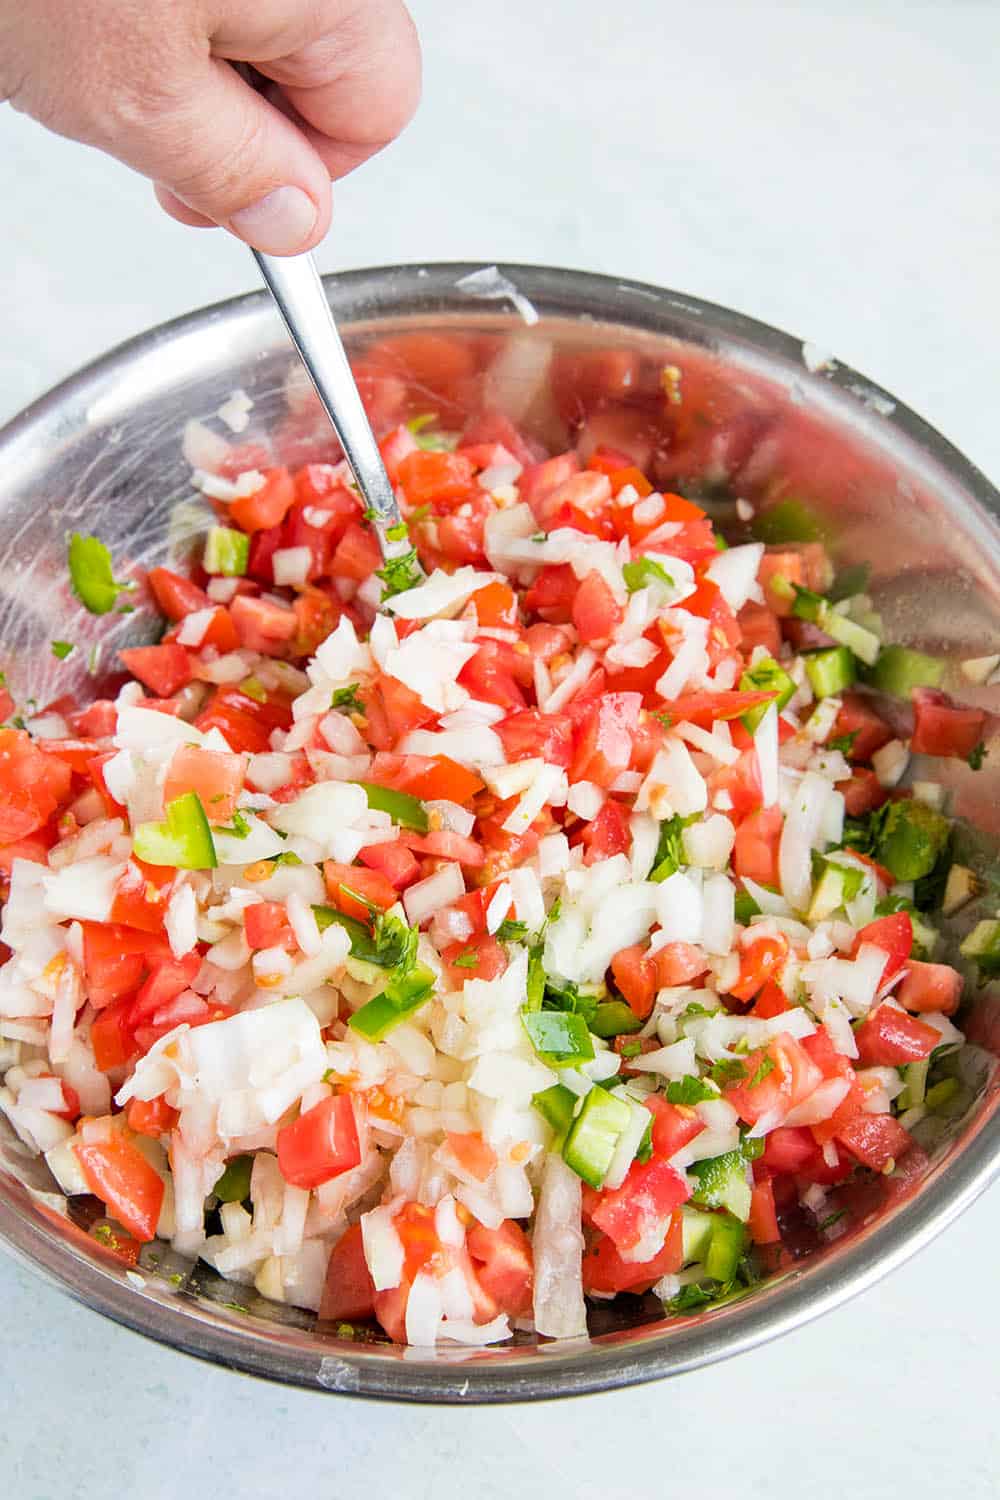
column 547, row 915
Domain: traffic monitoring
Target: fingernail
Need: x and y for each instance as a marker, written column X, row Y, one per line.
column 278, row 224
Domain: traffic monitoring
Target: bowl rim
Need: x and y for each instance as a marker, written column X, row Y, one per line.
column 581, row 1366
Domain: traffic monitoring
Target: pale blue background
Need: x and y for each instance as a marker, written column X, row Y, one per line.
column 834, row 173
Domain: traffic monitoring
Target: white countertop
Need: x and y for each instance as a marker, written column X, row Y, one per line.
column 834, row 174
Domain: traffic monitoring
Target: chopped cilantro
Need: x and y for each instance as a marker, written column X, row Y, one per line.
column 727, row 1070
column 400, row 573
column 767, row 1066
column 239, row 828
column 420, row 513
column 664, row 718
column 832, row 1219
column 397, row 533
column 863, row 834
column 94, row 583
column 637, row 574
column 62, row 649
column 287, row 857
column 511, row 931
column 844, row 742
column 252, row 687
column 346, row 699
column 976, row 756
column 467, row 960
column 630, row 1049
column 418, row 423
column 689, row 1090
column 670, row 849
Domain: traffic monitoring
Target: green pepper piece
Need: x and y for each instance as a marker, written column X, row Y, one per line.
column 227, row 551
column 788, row 521
column 614, row 1018
column 560, row 1037
column 766, row 677
column 556, row 1106
column 402, row 996
column 183, row 839
column 830, row 671
column 593, row 1135
column 724, row 1247
column 234, row 1184
column 899, row 669
column 408, row 811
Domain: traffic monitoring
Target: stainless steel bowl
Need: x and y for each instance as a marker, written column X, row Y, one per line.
column 756, row 417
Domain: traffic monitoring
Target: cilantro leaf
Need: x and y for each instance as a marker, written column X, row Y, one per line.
column 689, row 1090
column 767, row 1066
column 976, row 756
column 467, row 960
column 94, row 583
column 670, row 849
column 400, row 573
column 346, row 699
column 844, row 742
column 62, row 649
column 511, row 931
column 727, row 1070
column 645, row 569
column 239, row 828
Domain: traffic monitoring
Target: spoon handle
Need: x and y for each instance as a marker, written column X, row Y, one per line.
column 298, row 291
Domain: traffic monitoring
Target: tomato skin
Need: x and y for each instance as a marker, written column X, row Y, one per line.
column 875, row 1140
column 674, row 1125
column 267, row 506
column 490, row 960
column 175, row 595
column 894, row 935
column 551, row 595
column 216, row 777
column 678, row 963
column 369, row 884
column 635, row 976
column 152, row 1117
column 650, row 1193
column 608, row 834
column 936, row 987
column 504, row 1265
column 862, row 793
column 890, row 1037
column 320, row 1144
column 263, row 545
column 742, row 782
column 763, row 1220
column 604, row 1271
column 530, row 733
column 168, row 978
column 596, row 613
column 787, row 1148
column 761, row 960
column 603, row 747
column 114, row 960
column 755, row 850
column 265, row 925
column 429, row 478
column 943, row 727
column 32, row 785
column 119, row 1174
column 489, row 676
column 348, row 1292
column 772, row 1001
column 357, row 555
column 430, row 777
column 261, row 625
column 163, row 669
column 112, row 1036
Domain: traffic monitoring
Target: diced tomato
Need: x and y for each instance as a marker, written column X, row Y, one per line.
column 95, row 722
column 495, row 605
column 678, row 963
column 608, row 834
column 674, row 1125
column 806, row 565
column 787, row 1148
column 603, row 745
column 634, row 973
column 763, row 1220
column 777, row 1077
column 220, row 632
column 596, row 613
column 943, row 727
column 531, row 733
column 494, row 427
column 551, row 595
column 368, row 884
column 32, row 785
column 266, row 925
column 894, row 935
column 583, row 380
column 605, row 1272
column 320, row 1144
column 755, row 851
column 263, row 545
column 862, row 793
column 130, row 1189
column 443, row 844
column 357, row 555
column 348, row 1291
column 472, row 1153
column 540, row 479
column 215, row 776
column 759, row 627
column 399, row 866
column 742, row 782
column 620, row 477
column 503, row 1265
column 240, row 726
column 489, row 676
column 612, row 461
column 936, row 987
column 633, row 1214
column 889, row 1037
column 163, row 669
column 316, row 616
column 154, row 1117
column 186, row 1009
column 114, row 960
column 762, row 959
column 267, row 506
column 34, row 848
column 112, row 1037
column 263, row 625
column 175, row 595
column 460, row 533
column 705, row 708
column 852, row 1104
column 875, row 1140
column 480, row 957
column 168, row 978
column 429, row 477
column 772, row 1001
column 431, row 777
column 580, row 501
column 857, row 717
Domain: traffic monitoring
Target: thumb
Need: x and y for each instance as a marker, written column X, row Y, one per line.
column 220, row 153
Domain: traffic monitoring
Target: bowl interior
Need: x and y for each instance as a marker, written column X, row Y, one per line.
column 710, row 404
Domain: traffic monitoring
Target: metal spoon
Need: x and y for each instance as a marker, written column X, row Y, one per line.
column 295, row 285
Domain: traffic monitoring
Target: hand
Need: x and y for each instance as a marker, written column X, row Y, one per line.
column 150, row 82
